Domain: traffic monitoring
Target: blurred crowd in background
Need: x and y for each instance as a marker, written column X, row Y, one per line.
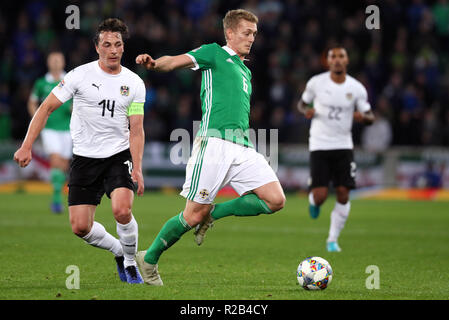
column 404, row 65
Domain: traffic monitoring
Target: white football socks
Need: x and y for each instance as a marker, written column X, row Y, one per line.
column 100, row 238
column 311, row 199
column 338, row 219
column 128, row 234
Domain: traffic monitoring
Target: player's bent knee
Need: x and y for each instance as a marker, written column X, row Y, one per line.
column 343, row 199
column 342, row 195
column 319, row 200
column 277, row 203
column 194, row 220
column 80, row 230
column 195, row 216
column 122, row 214
column 319, row 197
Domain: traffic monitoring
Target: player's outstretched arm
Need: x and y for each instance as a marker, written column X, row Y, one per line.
column 136, row 145
column 165, row 63
column 50, row 104
column 307, row 111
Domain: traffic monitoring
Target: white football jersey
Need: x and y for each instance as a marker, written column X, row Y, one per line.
column 334, row 106
column 99, row 125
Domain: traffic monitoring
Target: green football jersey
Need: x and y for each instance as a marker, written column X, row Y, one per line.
column 60, row 118
column 225, row 93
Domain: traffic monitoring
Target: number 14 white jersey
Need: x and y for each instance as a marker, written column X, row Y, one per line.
column 334, row 105
column 99, row 123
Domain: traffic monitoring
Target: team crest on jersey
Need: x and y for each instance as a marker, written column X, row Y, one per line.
column 61, row 84
column 124, row 91
column 349, row 96
column 203, row 194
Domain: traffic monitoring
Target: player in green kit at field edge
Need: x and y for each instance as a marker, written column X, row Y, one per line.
column 222, row 153
column 56, row 137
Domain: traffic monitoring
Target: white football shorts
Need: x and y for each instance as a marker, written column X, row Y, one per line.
column 215, row 163
column 59, row 142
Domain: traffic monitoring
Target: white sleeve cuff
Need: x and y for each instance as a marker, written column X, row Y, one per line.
column 363, row 106
column 196, row 67
column 307, row 97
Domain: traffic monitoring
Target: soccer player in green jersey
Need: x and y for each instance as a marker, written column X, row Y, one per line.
column 56, row 137
column 222, row 152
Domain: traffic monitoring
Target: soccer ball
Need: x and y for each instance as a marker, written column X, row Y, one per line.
column 314, row 273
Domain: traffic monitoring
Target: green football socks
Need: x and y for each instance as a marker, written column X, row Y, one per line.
column 246, row 205
column 171, row 232
column 174, row 228
column 57, row 178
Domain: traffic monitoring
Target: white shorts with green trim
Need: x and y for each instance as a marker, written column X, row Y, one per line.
column 215, row 163
column 59, row 142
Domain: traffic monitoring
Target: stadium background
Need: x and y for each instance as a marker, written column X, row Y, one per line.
column 404, row 66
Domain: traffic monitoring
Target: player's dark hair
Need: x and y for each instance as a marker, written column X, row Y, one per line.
column 113, row 25
column 335, row 46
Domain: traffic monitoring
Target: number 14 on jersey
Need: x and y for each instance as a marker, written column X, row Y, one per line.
column 107, row 105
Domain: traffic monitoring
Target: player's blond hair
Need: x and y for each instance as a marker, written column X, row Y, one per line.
column 233, row 17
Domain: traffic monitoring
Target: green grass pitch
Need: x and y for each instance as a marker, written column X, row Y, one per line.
column 249, row 258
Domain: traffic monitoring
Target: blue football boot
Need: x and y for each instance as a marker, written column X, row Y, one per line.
column 314, row 211
column 133, row 275
column 56, row 208
column 121, row 268
column 333, row 246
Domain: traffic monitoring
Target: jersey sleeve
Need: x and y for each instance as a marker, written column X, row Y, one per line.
column 362, row 103
column 66, row 88
column 203, row 57
column 136, row 106
column 309, row 94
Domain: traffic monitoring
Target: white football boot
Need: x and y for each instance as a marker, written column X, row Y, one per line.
column 148, row 271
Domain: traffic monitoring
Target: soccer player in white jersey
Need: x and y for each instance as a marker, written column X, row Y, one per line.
column 108, row 140
column 222, row 153
column 333, row 100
